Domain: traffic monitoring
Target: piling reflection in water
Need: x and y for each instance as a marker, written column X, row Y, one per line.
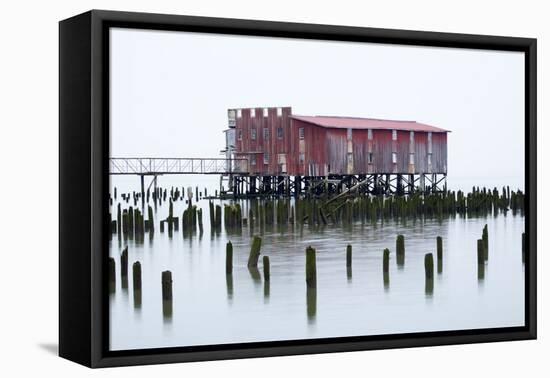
column 348, row 261
column 386, row 268
column 311, row 300
column 439, row 246
column 255, row 275
column 229, row 285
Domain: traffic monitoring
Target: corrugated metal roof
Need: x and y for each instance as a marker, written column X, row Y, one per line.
column 367, row 123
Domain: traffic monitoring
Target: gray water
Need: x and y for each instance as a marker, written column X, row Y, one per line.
column 209, row 309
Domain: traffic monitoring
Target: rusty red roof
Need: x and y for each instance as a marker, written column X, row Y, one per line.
column 367, row 123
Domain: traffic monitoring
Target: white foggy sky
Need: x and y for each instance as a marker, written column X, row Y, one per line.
column 170, row 92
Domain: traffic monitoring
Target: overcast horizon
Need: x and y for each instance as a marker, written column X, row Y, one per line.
column 170, row 92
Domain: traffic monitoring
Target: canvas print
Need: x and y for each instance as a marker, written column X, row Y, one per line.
column 266, row 189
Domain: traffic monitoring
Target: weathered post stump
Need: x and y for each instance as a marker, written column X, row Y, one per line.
column 429, row 272
column 400, row 250
column 229, row 258
column 136, row 275
column 480, row 259
column 166, row 281
column 386, row 267
column 254, row 252
column 112, row 275
column 267, row 272
column 124, row 268
column 267, row 275
column 439, row 254
column 311, row 268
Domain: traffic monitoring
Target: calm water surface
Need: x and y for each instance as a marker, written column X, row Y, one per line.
column 208, row 308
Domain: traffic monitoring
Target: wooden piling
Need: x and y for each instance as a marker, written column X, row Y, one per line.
column 136, row 275
column 166, row 282
column 151, row 219
column 119, row 219
column 348, row 256
column 267, row 272
column 480, row 259
column 439, row 254
column 124, row 268
column 311, row 268
column 218, row 217
column 229, row 258
column 386, row 267
column 254, row 252
column 429, row 265
column 199, row 214
column 112, row 275
column 400, row 250
column 429, row 273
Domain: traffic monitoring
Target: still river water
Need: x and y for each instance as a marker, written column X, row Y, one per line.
column 209, row 309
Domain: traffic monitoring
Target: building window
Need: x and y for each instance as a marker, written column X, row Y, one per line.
column 266, row 158
column 369, row 132
column 411, row 158
column 301, row 133
column 252, row 113
column 350, row 134
column 265, row 112
column 253, row 134
column 279, row 112
column 253, row 160
column 370, row 157
column 394, row 157
column 430, row 142
column 266, row 133
column 239, row 113
column 412, row 136
column 239, row 134
column 301, row 158
column 280, row 132
column 394, row 135
column 430, row 159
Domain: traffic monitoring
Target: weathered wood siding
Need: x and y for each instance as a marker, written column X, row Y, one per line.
column 439, row 153
column 326, row 150
column 272, row 143
column 313, row 148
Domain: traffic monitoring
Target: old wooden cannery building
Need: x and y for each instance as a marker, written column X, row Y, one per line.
column 286, row 153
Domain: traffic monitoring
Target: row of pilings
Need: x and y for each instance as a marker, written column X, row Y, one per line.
column 131, row 223
column 159, row 195
column 310, row 269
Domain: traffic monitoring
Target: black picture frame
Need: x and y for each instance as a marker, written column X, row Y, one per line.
column 83, row 181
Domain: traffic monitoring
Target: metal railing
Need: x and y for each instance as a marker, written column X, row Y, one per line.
column 164, row 166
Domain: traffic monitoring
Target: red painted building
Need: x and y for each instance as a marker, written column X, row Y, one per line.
column 277, row 143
